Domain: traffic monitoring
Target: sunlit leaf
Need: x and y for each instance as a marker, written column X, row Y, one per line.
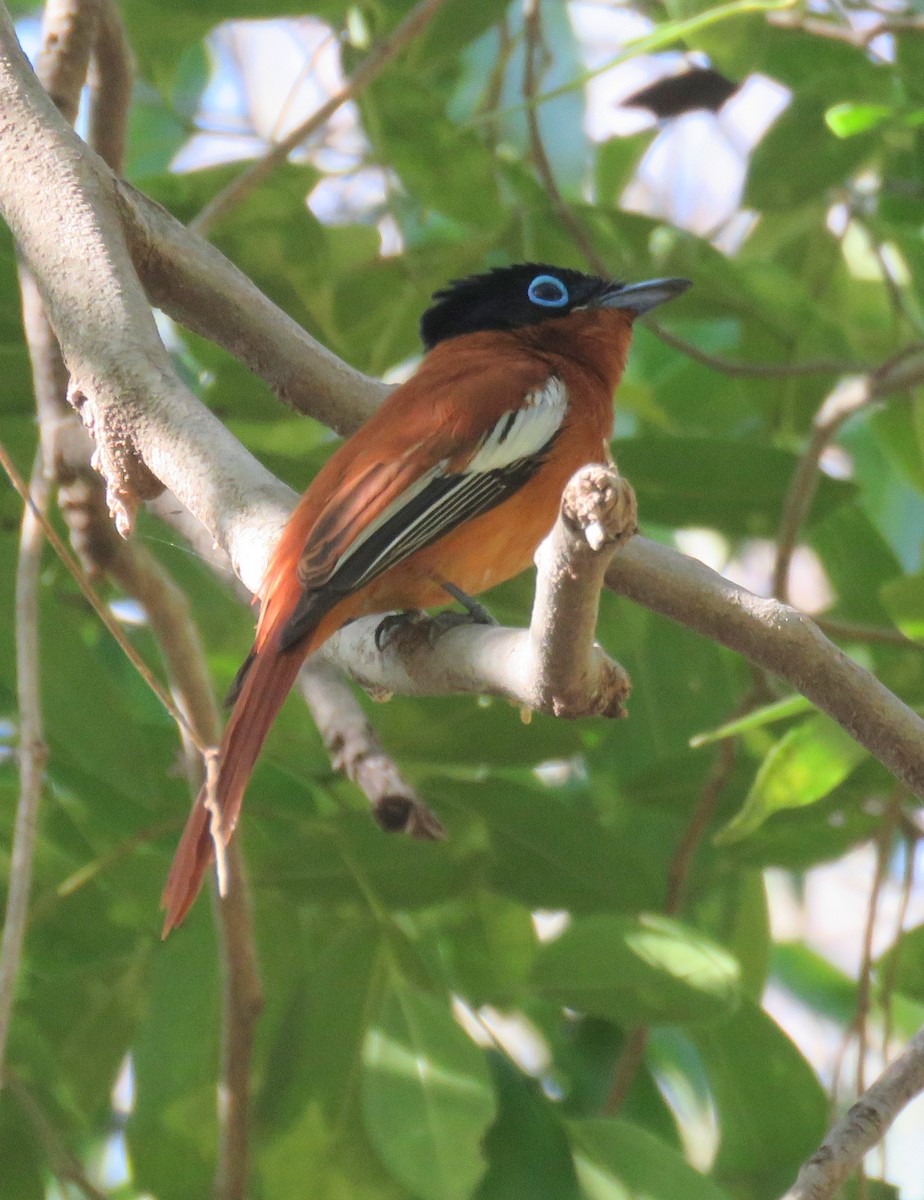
column 427, row 1096
column 644, row 971
column 804, row 766
column 616, row 1160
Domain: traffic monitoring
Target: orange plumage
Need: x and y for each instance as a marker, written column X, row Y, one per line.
column 458, row 477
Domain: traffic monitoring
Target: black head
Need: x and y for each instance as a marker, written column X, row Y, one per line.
column 529, row 293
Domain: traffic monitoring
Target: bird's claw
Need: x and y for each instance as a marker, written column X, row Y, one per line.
column 392, row 625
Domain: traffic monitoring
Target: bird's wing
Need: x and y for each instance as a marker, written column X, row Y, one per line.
column 383, row 511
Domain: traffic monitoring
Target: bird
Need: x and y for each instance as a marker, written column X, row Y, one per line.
column 445, row 491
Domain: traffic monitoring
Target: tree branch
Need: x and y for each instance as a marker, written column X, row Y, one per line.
column 197, row 286
column 355, row 750
column 905, row 370
column 780, row 639
column 32, row 753
column 110, row 87
column 865, row 1124
column 150, row 430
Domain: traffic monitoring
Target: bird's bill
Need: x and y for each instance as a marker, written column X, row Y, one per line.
column 642, row 297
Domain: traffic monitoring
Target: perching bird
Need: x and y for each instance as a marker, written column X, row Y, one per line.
column 457, row 477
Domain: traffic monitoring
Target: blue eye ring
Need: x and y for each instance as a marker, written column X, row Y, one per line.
column 560, row 300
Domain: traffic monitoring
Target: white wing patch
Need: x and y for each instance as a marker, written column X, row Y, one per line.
column 439, row 500
column 523, row 431
column 400, row 501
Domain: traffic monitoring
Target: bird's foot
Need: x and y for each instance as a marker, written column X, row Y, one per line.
column 392, row 626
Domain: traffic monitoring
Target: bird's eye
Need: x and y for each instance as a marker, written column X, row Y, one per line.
column 548, row 291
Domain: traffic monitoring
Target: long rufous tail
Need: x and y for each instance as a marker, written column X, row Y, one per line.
column 259, row 691
column 265, row 686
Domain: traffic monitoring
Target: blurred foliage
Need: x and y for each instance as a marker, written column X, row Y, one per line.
column 365, row 1084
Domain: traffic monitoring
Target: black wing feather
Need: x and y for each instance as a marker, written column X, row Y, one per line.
column 444, row 504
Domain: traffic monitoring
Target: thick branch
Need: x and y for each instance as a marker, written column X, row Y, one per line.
column 781, row 640
column 863, row 1127
column 147, row 425
column 195, row 284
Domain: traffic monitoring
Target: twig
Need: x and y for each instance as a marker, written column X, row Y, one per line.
column 903, row 371
column 630, row 1060
column 110, row 87
column 860, row 38
column 369, row 69
column 242, row 1003
column 170, row 620
column 859, row 1023
column 32, row 751
column 99, row 607
column 679, row 869
column 532, row 27
column 865, row 1124
column 62, row 1162
column 355, row 750
column 858, row 631
column 740, row 369
column 69, row 29
column 890, row 975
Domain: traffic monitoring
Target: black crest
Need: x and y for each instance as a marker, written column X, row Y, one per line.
column 508, row 298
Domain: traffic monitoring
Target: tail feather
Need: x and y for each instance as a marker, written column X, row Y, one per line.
column 257, row 693
column 262, row 692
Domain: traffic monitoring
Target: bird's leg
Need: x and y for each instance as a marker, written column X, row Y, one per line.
column 477, row 613
column 394, row 624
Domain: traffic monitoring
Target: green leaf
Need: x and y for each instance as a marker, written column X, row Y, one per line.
column 799, row 158
column 616, row 1160
column 427, row 1096
column 488, row 951
column 815, row 981
column 645, row 971
column 528, row 1152
column 904, row 599
column 805, row 765
column 548, row 848
column 21, row 1155
column 779, row 710
column 905, row 963
column 845, row 120
column 171, row 1132
column 316, row 1049
column 772, row 1110
column 735, row 486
